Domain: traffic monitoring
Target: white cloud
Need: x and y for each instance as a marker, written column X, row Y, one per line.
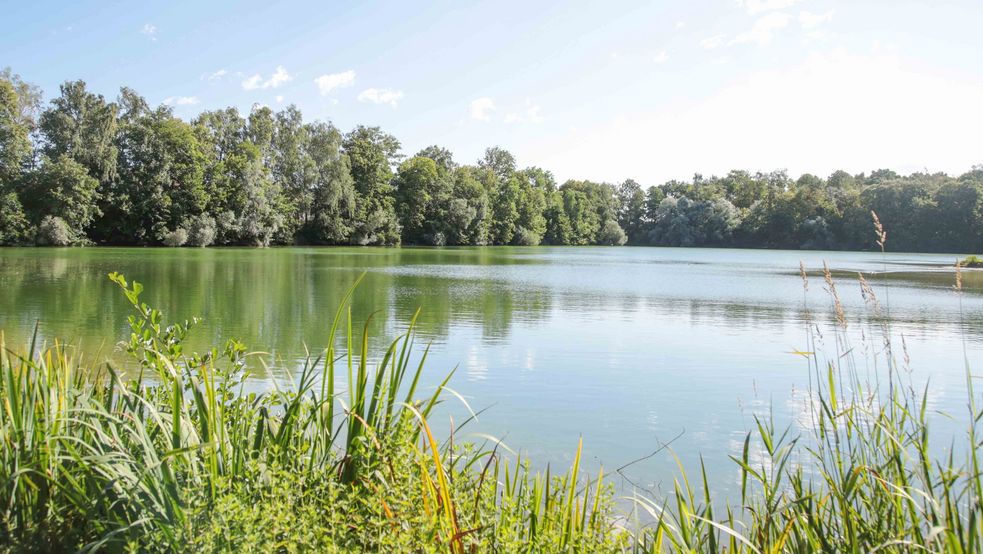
column 481, row 108
column 215, row 76
column 530, row 113
column 279, row 77
column 680, row 24
column 713, row 42
column 381, row 96
column 331, row 81
column 801, row 118
column 279, row 98
column 149, row 31
column 759, row 6
column 763, row 30
column 810, row 20
column 661, row 57
column 181, row 100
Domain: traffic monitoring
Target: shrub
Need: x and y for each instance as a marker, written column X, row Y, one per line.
column 611, row 234
column 201, row 230
column 53, row 231
column 971, row 261
column 525, row 237
column 175, row 238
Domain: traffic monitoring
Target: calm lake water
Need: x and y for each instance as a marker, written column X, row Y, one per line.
column 626, row 347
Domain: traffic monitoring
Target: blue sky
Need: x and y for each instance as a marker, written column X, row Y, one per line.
column 599, row 90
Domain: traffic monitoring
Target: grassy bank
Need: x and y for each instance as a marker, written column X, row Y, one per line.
column 176, row 455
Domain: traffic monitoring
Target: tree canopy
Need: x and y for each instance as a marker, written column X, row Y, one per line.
column 88, row 170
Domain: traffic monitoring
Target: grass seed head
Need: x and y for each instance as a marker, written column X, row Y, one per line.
column 879, row 229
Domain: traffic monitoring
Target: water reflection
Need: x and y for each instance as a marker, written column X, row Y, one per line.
column 625, row 347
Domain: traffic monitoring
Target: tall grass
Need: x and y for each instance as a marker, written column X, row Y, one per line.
column 180, row 457
column 863, row 475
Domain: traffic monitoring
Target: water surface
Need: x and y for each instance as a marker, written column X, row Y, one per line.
column 626, row 347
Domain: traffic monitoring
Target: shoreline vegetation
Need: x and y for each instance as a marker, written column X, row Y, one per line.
column 973, row 262
column 174, row 455
column 86, row 170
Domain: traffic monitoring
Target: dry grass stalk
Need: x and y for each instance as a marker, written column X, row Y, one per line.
column 881, row 233
column 831, row 289
column 868, row 292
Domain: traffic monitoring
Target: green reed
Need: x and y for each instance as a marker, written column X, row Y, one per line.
column 176, row 455
column 863, row 476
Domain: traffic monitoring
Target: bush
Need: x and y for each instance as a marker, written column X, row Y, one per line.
column 438, row 239
column 53, row 231
column 201, row 231
column 525, row 237
column 176, row 238
column 227, row 227
column 971, row 261
column 611, row 234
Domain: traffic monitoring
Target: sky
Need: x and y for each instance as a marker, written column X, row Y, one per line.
column 649, row 90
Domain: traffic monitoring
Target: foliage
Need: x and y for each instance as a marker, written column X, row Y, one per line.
column 14, row 226
column 63, row 189
column 268, row 178
column 201, row 230
column 174, row 455
column 19, row 102
column 372, row 153
column 971, row 261
column 179, row 457
column 611, row 234
column 177, row 237
column 53, row 231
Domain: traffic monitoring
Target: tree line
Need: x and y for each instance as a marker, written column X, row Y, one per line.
column 87, row 170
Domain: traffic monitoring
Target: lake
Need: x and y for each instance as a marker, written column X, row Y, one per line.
column 626, row 347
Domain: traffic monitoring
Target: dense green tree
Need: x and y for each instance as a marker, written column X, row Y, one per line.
column 372, row 154
column 582, row 218
column 631, row 210
column 558, row 229
column 14, row 226
column 292, row 166
column 82, row 125
column 441, row 156
column 62, row 188
column 89, row 170
column 531, row 223
column 685, row 222
column 500, row 162
column 468, row 214
column 959, row 207
column 506, row 200
column 588, row 206
column 422, row 194
column 611, row 234
column 906, row 207
column 331, row 185
column 160, row 176
column 653, row 197
column 19, row 103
